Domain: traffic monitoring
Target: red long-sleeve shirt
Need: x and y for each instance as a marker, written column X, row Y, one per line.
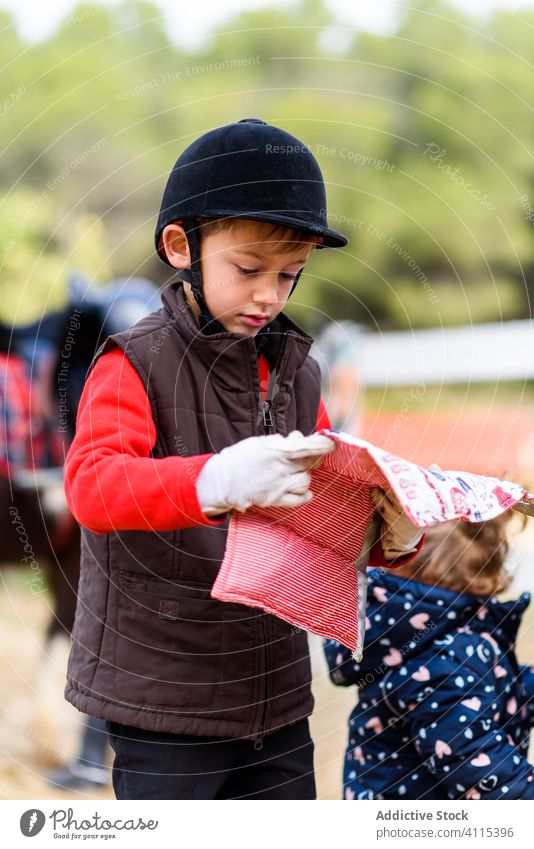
column 112, row 482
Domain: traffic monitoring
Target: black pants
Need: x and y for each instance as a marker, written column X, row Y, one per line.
column 156, row 765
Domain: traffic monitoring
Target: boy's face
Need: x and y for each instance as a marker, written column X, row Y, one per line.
column 246, row 279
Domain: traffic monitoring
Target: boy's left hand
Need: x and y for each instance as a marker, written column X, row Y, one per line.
column 399, row 536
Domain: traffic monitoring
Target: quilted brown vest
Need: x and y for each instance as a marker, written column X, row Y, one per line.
column 150, row 647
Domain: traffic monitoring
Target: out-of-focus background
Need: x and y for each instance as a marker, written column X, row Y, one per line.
column 421, row 115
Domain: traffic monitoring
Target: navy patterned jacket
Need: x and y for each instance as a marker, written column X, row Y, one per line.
column 444, row 708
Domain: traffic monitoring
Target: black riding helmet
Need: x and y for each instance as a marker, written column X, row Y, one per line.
column 248, row 169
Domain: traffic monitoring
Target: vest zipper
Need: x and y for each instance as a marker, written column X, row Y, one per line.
column 258, row 740
column 267, row 403
column 267, row 416
column 268, row 427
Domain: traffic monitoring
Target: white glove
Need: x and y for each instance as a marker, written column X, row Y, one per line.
column 268, row 471
column 399, row 536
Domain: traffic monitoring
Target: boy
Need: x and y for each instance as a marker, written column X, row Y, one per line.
column 207, row 405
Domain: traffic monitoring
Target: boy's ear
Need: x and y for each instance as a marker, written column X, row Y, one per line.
column 175, row 245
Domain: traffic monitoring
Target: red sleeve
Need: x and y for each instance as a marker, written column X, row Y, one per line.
column 323, row 419
column 111, row 482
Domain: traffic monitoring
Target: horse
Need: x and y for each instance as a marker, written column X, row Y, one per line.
column 44, row 369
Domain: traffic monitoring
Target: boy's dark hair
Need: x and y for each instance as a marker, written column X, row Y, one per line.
column 271, row 231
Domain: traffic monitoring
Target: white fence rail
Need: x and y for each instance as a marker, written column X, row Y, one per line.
column 485, row 352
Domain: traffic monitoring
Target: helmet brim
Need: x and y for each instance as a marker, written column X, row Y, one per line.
column 330, row 238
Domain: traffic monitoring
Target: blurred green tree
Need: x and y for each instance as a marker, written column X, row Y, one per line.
column 423, row 136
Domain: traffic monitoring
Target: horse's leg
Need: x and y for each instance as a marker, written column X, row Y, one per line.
column 63, row 573
column 88, row 770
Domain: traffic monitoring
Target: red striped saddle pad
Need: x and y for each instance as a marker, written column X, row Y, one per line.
column 307, row 565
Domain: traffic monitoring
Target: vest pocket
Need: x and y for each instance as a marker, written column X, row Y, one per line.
column 291, row 663
column 168, row 645
column 241, row 665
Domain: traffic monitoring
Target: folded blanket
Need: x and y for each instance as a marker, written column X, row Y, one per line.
column 308, row 564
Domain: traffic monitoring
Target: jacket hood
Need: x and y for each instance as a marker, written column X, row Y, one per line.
column 409, row 615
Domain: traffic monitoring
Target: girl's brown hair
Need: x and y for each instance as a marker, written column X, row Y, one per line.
column 464, row 557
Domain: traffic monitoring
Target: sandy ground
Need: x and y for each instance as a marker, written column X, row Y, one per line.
column 38, row 728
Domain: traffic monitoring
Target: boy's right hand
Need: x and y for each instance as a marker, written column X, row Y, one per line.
column 267, row 471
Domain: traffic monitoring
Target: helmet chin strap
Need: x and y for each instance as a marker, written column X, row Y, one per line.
column 208, row 324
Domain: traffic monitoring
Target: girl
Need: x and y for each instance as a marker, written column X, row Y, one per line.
column 444, row 708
